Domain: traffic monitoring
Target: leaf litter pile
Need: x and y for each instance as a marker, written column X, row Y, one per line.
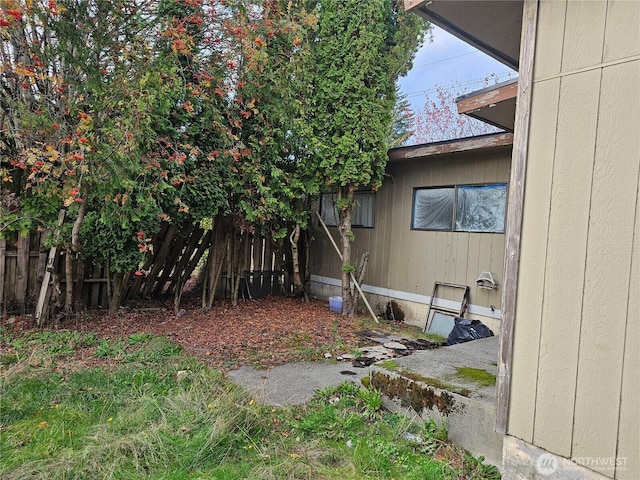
column 261, row 332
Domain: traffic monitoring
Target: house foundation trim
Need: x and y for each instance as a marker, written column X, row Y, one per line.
column 523, row 460
column 413, row 297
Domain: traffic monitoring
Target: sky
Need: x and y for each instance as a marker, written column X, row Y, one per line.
column 448, row 61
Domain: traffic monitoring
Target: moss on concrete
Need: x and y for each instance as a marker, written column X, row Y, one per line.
column 476, row 375
column 388, row 365
column 413, row 394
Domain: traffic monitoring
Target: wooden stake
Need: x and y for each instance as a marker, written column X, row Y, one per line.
column 353, row 278
column 47, row 274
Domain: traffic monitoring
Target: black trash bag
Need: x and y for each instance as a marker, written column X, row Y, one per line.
column 466, row 330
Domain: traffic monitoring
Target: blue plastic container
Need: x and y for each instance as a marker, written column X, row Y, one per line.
column 335, row 304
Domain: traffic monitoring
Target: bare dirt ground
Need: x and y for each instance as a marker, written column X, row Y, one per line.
column 262, row 332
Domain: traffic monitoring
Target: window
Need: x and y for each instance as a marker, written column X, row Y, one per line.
column 460, row 208
column 363, row 213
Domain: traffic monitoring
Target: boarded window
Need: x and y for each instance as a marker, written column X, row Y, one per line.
column 460, row 208
column 363, row 212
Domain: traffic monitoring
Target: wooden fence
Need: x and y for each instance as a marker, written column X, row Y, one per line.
column 23, row 263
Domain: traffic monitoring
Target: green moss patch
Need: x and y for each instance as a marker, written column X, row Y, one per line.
column 476, row 375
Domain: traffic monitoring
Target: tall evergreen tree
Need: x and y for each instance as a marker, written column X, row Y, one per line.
column 403, row 118
column 360, row 51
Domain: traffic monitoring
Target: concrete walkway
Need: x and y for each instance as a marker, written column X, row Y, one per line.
column 295, row 383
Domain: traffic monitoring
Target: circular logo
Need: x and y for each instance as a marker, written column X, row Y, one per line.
column 547, row 464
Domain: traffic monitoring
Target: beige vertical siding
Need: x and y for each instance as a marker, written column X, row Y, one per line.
column 535, row 229
column 608, row 263
column 325, row 260
column 583, row 34
column 576, row 326
column 411, row 261
column 550, row 34
column 564, row 277
column 629, row 421
column 622, row 36
column 420, row 258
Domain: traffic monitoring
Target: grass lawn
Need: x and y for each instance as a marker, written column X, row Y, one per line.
column 140, row 408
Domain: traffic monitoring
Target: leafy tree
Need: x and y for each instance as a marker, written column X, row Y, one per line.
column 359, row 52
column 276, row 184
column 439, row 119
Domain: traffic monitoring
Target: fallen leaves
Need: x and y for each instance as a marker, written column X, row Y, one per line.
column 263, row 332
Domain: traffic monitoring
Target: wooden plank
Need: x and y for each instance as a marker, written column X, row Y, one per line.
column 10, row 283
column 583, row 35
column 3, row 265
column 139, row 282
column 44, row 294
column 487, row 98
column 533, row 264
column 96, row 271
column 159, row 259
column 622, row 35
column 514, row 215
column 78, row 285
column 451, row 146
column 608, row 263
column 22, row 271
column 182, row 257
column 571, row 189
column 41, row 268
column 169, row 265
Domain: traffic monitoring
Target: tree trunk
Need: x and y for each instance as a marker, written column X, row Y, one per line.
column 120, row 281
column 298, row 285
column 116, row 292
column 345, row 211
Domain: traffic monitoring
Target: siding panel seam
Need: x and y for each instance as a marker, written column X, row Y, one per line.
column 586, row 258
column 589, row 68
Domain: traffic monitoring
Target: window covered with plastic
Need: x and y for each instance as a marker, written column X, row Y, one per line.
column 480, row 208
column 460, row 208
column 363, row 213
column 433, row 209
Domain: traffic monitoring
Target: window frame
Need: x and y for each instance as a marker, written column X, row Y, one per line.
column 454, row 207
column 369, row 193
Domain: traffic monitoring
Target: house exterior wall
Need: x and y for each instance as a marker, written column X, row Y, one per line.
column 404, row 264
column 575, row 383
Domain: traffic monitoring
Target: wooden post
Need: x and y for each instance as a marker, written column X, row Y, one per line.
column 514, row 213
column 3, row 253
column 22, row 270
column 47, row 274
column 353, row 278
